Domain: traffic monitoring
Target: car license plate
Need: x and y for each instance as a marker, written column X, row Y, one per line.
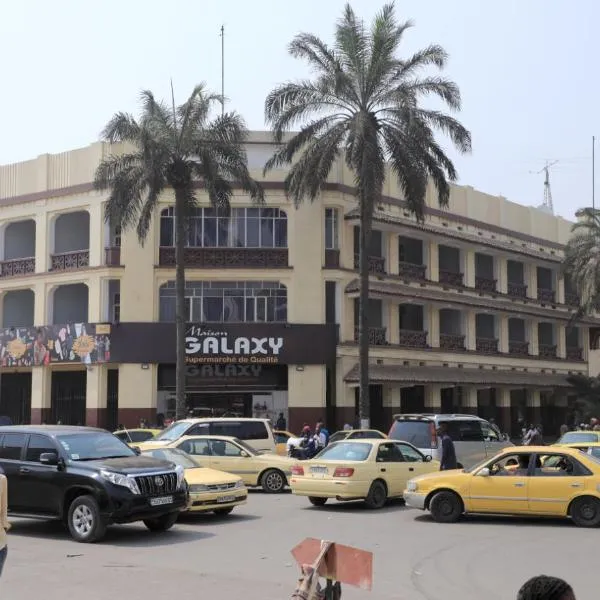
column 319, row 472
column 223, row 499
column 161, row 501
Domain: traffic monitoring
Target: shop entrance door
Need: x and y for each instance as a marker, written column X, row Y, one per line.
column 220, row 404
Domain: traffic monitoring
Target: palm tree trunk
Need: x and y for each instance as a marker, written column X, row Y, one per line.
column 364, row 405
column 180, row 314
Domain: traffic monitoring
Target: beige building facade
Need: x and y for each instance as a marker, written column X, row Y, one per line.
column 469, row 312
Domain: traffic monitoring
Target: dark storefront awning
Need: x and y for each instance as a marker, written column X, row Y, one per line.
column 456, row 376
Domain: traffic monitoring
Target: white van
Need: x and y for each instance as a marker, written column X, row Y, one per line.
column 258, row 433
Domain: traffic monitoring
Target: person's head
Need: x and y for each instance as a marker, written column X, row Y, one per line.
column 443, row 429
column 318, row 427
column 564, row 429
column 305, row 431
column 512, row 462
column 544, row 587
column 281, row 415
column 524, row 461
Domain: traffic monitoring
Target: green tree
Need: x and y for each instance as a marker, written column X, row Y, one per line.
column 364, row 104
column 180, row 148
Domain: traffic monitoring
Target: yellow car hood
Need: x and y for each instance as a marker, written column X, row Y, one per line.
column 203, row 476
column 454, row 475
column 282, row 462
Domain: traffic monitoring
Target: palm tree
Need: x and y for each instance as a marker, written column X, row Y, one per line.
column 364, row 104
column 582, row 260
column 176, row 148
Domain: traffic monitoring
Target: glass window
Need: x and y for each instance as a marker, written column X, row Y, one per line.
column 331, row 228
column 468, row 430
column 199, row 429
column 350, row 451
column 510, row 465
column 224, row 448
column 558, row 465
column 175, row 455
column 389, row 453
column 418, row 433
column 488, row 432
column 409, row 453
column 195, row 447
column 12, row 444
column 254, row 430
column 174, row 431
column 578, row 437
column 38, row 444
column 94, row 446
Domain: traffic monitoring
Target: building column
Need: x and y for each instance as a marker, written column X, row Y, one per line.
column 469, row 268
column 560, row 290
column 306, row 395
column 393, row 267
column 502, row 275
column 97, row 236
column 534, row 404
column 42, row 247
column 561, row 341
column 504, row 408
column 534, row 346
column 95, row 299
column 503, row 337
column 433, row 397
column 41, row 397
column 137, row 394
column 393, row 334
column 95, row 404
column 470, row 404
column 40, row 304
column 345, row 404
column 584, row 342
column 471, row 330
column 433, row 261
column 531, row 280
column 433, row 326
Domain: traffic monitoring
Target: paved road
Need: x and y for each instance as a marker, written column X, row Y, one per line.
column 247, row 555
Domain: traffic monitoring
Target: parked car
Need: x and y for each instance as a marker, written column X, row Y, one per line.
column 88, row 479
column 474, row 438
column 369, row 470
column 258, row 433
column 357, row 434
column 579, row 437
column 132, row 436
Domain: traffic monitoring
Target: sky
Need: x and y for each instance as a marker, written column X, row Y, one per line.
column 526, row 70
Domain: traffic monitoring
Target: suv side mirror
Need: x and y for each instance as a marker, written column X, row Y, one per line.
column 49, row 458
column 428, row 458
column 244, row 454
column 137, row 450
column 485, row 472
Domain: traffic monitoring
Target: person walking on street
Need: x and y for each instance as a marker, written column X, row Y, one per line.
column 448, row 460
column 281, row 423
column 4, row 524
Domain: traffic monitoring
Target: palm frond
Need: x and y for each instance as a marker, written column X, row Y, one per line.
column 121, row 128
column 352, row 48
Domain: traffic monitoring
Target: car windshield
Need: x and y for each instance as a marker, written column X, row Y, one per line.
column 417, row 433
column 249, row 449
column 94, row 446
column 179, row 457
column 577, row 437
column 173, row 432
column 348, row 451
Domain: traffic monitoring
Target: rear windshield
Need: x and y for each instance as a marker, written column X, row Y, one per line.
column 345, row 451
column 576, row 437
column 418, row 433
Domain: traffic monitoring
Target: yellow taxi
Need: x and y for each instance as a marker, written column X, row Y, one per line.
column 579, row 437
column 135, row 436
column 281, row 440
column 210, row 490
column 232, row 455
column 534, row 481
column 591, row 448
column 369, row 470
column 357, row 434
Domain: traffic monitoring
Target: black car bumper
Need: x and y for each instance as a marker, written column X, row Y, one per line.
column 125, row 507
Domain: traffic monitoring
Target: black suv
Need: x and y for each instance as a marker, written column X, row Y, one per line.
column 88, row 478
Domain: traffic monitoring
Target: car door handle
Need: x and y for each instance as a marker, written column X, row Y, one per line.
column 382, row 470
column 410, row 468
column 24, row 470
column 519, row 484
column 576, row 485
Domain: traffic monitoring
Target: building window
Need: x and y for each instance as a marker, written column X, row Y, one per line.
column 331, row 229
column 116, row 316
column 240, row 228
column 227, row 301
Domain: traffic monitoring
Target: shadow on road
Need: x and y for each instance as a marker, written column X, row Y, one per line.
column 357, row 507
column 118, row 535
column 502, row 520
column 212, row 519
column 260, row 491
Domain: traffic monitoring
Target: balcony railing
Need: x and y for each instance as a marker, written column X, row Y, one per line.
column 486, row 345
column 70, row 261
column 376, row 336
column 227, row 258
column 546, row 296
column 451, row 278
column 413, row 339
column 112, row 256
column 574, row 353
column 332, row 259
column 485, row 284
column 518, row 348
column 547, row 351
column 572, row 299
column 411, row 271
column 517, row 290
column 17, row 266
column 452, row 341
column 376, row 264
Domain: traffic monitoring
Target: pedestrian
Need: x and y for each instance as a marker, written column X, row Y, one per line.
column 281, row 423
column 564, row 429
column 495, row 428
column 4, row 524
column 322, row 432
column 448, row 460
column 543, row 587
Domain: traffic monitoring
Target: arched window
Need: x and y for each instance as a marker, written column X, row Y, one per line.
column 241, row 228
column 227, row 301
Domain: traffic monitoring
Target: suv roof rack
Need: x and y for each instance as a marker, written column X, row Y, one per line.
column 432, row 415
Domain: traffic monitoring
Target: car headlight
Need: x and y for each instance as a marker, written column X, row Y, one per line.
column 198, row 488
column 179, row 470
column 412, row 486
column 121, row 480
column 239, row 484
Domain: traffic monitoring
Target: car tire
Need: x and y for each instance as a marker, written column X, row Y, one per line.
column 377, row 496
column 85, row 521
column 273, row 481
column 446, row 507
column 585, row 511
column 223, row 512
column 163, row 523
column 317, row 501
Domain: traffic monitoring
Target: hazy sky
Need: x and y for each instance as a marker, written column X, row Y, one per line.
column 526, row 68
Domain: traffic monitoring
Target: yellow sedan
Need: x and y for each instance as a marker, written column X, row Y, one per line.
column 579, row 437
column 546, row 481
column 369, row 470
column 210, row 490
column 232, row 455
column 357, row 434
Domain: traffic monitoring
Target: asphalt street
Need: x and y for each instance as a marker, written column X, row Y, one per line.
column 247, row 555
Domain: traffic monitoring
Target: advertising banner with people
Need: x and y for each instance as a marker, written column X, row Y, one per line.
column 86, row 343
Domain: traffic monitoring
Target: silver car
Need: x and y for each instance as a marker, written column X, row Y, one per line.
column 474, row 438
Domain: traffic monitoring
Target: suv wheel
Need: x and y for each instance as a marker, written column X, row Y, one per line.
column 273, row 481
column 162, row 523
column 85, row 521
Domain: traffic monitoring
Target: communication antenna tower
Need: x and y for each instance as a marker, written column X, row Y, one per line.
column 547, row 204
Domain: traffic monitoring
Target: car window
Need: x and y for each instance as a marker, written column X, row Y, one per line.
column 253, row 430
column 510, row 465
column 578, row 437
column 140, row 436
column 12, row 444
column 176, row 430
column 488, row 432
column 122, row 436
column 417, row 433
column 38, row 444
column 228, row 428
column 195, row 447
column 345, row 451
column 389, row 453
column 365, row 435
column 198, row 429
column 281, row 438
column 224, row 448
column 559, row 465
column 595, row 451
column 409, row 453
column 467, row 430
column 339, row 436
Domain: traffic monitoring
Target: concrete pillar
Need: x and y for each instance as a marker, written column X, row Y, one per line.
column 469, row 268
column 433, row 397
column 470, row 330
column 306, row 394
column 584, row 336
column 433, row 326
column 502, row 274
column 531, row 280
column 433, row 261
column 40, row 305
column 393, row 334
column 560, row 290
column 346, row 239
column 95, row 297
column 561, row 340
column 42, row 247
column 96, row 234
column 137, row 394
column 41, row 399
column 534, row 348
column 470, row 404
column 504, row 407
column 392, row 254
column 95, row 408
column 534, row 404
column 503, row 335
column 345, row 402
